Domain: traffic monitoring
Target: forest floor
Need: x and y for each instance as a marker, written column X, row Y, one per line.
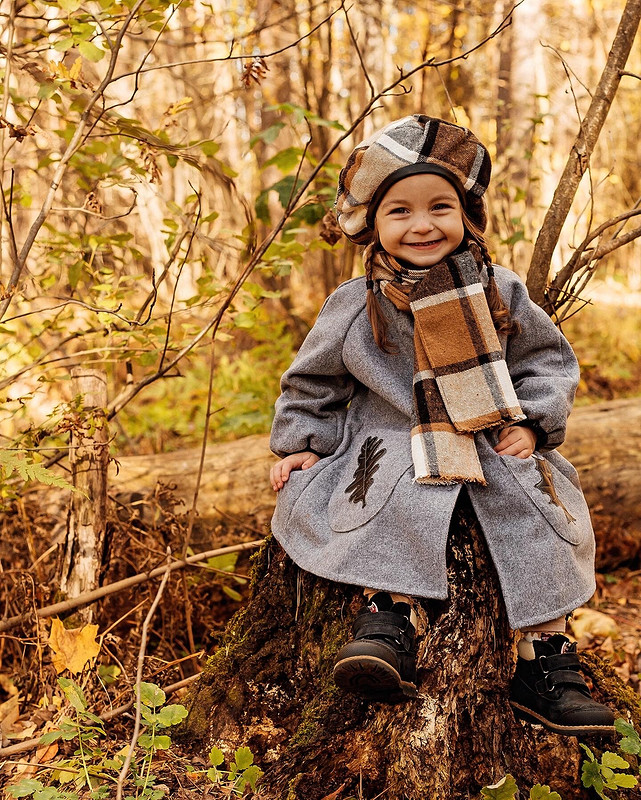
column 45, row 681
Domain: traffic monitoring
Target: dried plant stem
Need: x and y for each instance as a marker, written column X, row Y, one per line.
column 126, row 583
column 141, row 663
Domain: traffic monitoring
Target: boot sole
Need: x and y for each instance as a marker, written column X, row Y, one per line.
column 572, row 730
column 373, row 678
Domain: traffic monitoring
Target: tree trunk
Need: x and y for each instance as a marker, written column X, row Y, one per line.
column 580, row 154
column 269, row 687
column 87, row 517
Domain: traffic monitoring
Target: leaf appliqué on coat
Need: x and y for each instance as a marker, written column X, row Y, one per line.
column 371, row 453
column 546, row 485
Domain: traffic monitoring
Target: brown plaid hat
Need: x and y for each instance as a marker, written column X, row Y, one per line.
column 406, row 147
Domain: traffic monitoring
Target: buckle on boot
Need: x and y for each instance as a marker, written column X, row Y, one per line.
column 543, row 685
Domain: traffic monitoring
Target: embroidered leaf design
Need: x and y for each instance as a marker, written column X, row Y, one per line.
column 546, row 485
column 371, row 453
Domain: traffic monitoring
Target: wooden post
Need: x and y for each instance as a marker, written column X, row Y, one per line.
column 89, row 458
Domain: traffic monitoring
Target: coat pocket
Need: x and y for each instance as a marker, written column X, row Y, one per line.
column 556, row 496
column 369, row 472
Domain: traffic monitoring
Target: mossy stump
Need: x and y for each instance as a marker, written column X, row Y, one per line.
column 269, row 687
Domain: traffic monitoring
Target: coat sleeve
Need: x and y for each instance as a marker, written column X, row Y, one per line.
column 316, row 389
column 543, row 367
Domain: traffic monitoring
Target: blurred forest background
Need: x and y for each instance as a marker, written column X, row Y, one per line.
column 167, row 170
column 176, row 135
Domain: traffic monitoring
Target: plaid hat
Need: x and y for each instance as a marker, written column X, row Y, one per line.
column 411, row 145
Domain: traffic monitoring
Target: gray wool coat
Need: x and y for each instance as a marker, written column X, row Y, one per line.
column 342, row 397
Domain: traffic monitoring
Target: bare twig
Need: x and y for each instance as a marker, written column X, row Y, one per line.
column 232, row 57
column 112, row 588
column 352, row 36
column 61, row 168
column 579, row 157
column 141, row 663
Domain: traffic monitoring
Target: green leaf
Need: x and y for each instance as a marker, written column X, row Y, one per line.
column 171, row 715
column 625, row 781
column 614, row 761
column 26, row 787
column 243, row 757
column 216, row 757
column 251, row 775
column 246, row 319
column 213, row 775
column 51, row 736
column 268, row 135
column 591, row 776
column 73, row 693
column 631, row 743
column 505, row 789
column 232, row 593
column 151, row 695
column 539, row 792
column 108, row 673
column 62, row 45
column 286, row 159
column 226, row 562
column 146, row 741
column 210, row 147
column 89, row 51
column 162, row 742
column 69, row 5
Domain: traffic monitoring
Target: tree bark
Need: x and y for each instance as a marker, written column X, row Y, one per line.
column 89, row 459
column 269, row 687
column 581, row 152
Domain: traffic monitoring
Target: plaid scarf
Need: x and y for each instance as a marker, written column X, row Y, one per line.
column 461, row 381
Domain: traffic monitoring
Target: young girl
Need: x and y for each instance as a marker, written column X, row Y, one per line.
column 435, row 374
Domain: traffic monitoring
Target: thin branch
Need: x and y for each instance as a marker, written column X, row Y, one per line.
column 232, row 57
column 352, row 36
column 574, row 263
column 580, row 153
column 112, row 588
column 141, row 663
column 70, row 150
column 180, row 269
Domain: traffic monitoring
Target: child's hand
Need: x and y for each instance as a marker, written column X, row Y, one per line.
column 517, row 440
column 279, row 473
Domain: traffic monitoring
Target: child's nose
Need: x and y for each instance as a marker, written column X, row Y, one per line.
column 422, row 222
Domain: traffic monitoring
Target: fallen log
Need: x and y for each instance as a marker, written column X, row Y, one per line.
column 603, row 442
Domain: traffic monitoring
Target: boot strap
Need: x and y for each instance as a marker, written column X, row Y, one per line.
column 559, row 661
column 561, row 677
column 385, row 624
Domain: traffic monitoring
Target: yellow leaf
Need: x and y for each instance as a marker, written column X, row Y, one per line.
column 74, row 72
column 74, row 648
column 590, row 623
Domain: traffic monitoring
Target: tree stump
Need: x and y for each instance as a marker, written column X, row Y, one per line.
column 270, row 687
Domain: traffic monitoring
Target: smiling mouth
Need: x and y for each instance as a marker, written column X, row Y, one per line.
column 425, row 244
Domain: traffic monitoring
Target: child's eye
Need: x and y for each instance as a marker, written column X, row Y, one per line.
column 442, row 207
column 398, row 210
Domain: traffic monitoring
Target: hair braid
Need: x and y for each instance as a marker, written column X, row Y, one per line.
column 374, row 311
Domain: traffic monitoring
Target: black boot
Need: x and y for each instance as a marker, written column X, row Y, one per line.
column 380, row 662
column 550, row 691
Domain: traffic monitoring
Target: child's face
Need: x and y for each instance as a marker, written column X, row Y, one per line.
column 419, row 220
